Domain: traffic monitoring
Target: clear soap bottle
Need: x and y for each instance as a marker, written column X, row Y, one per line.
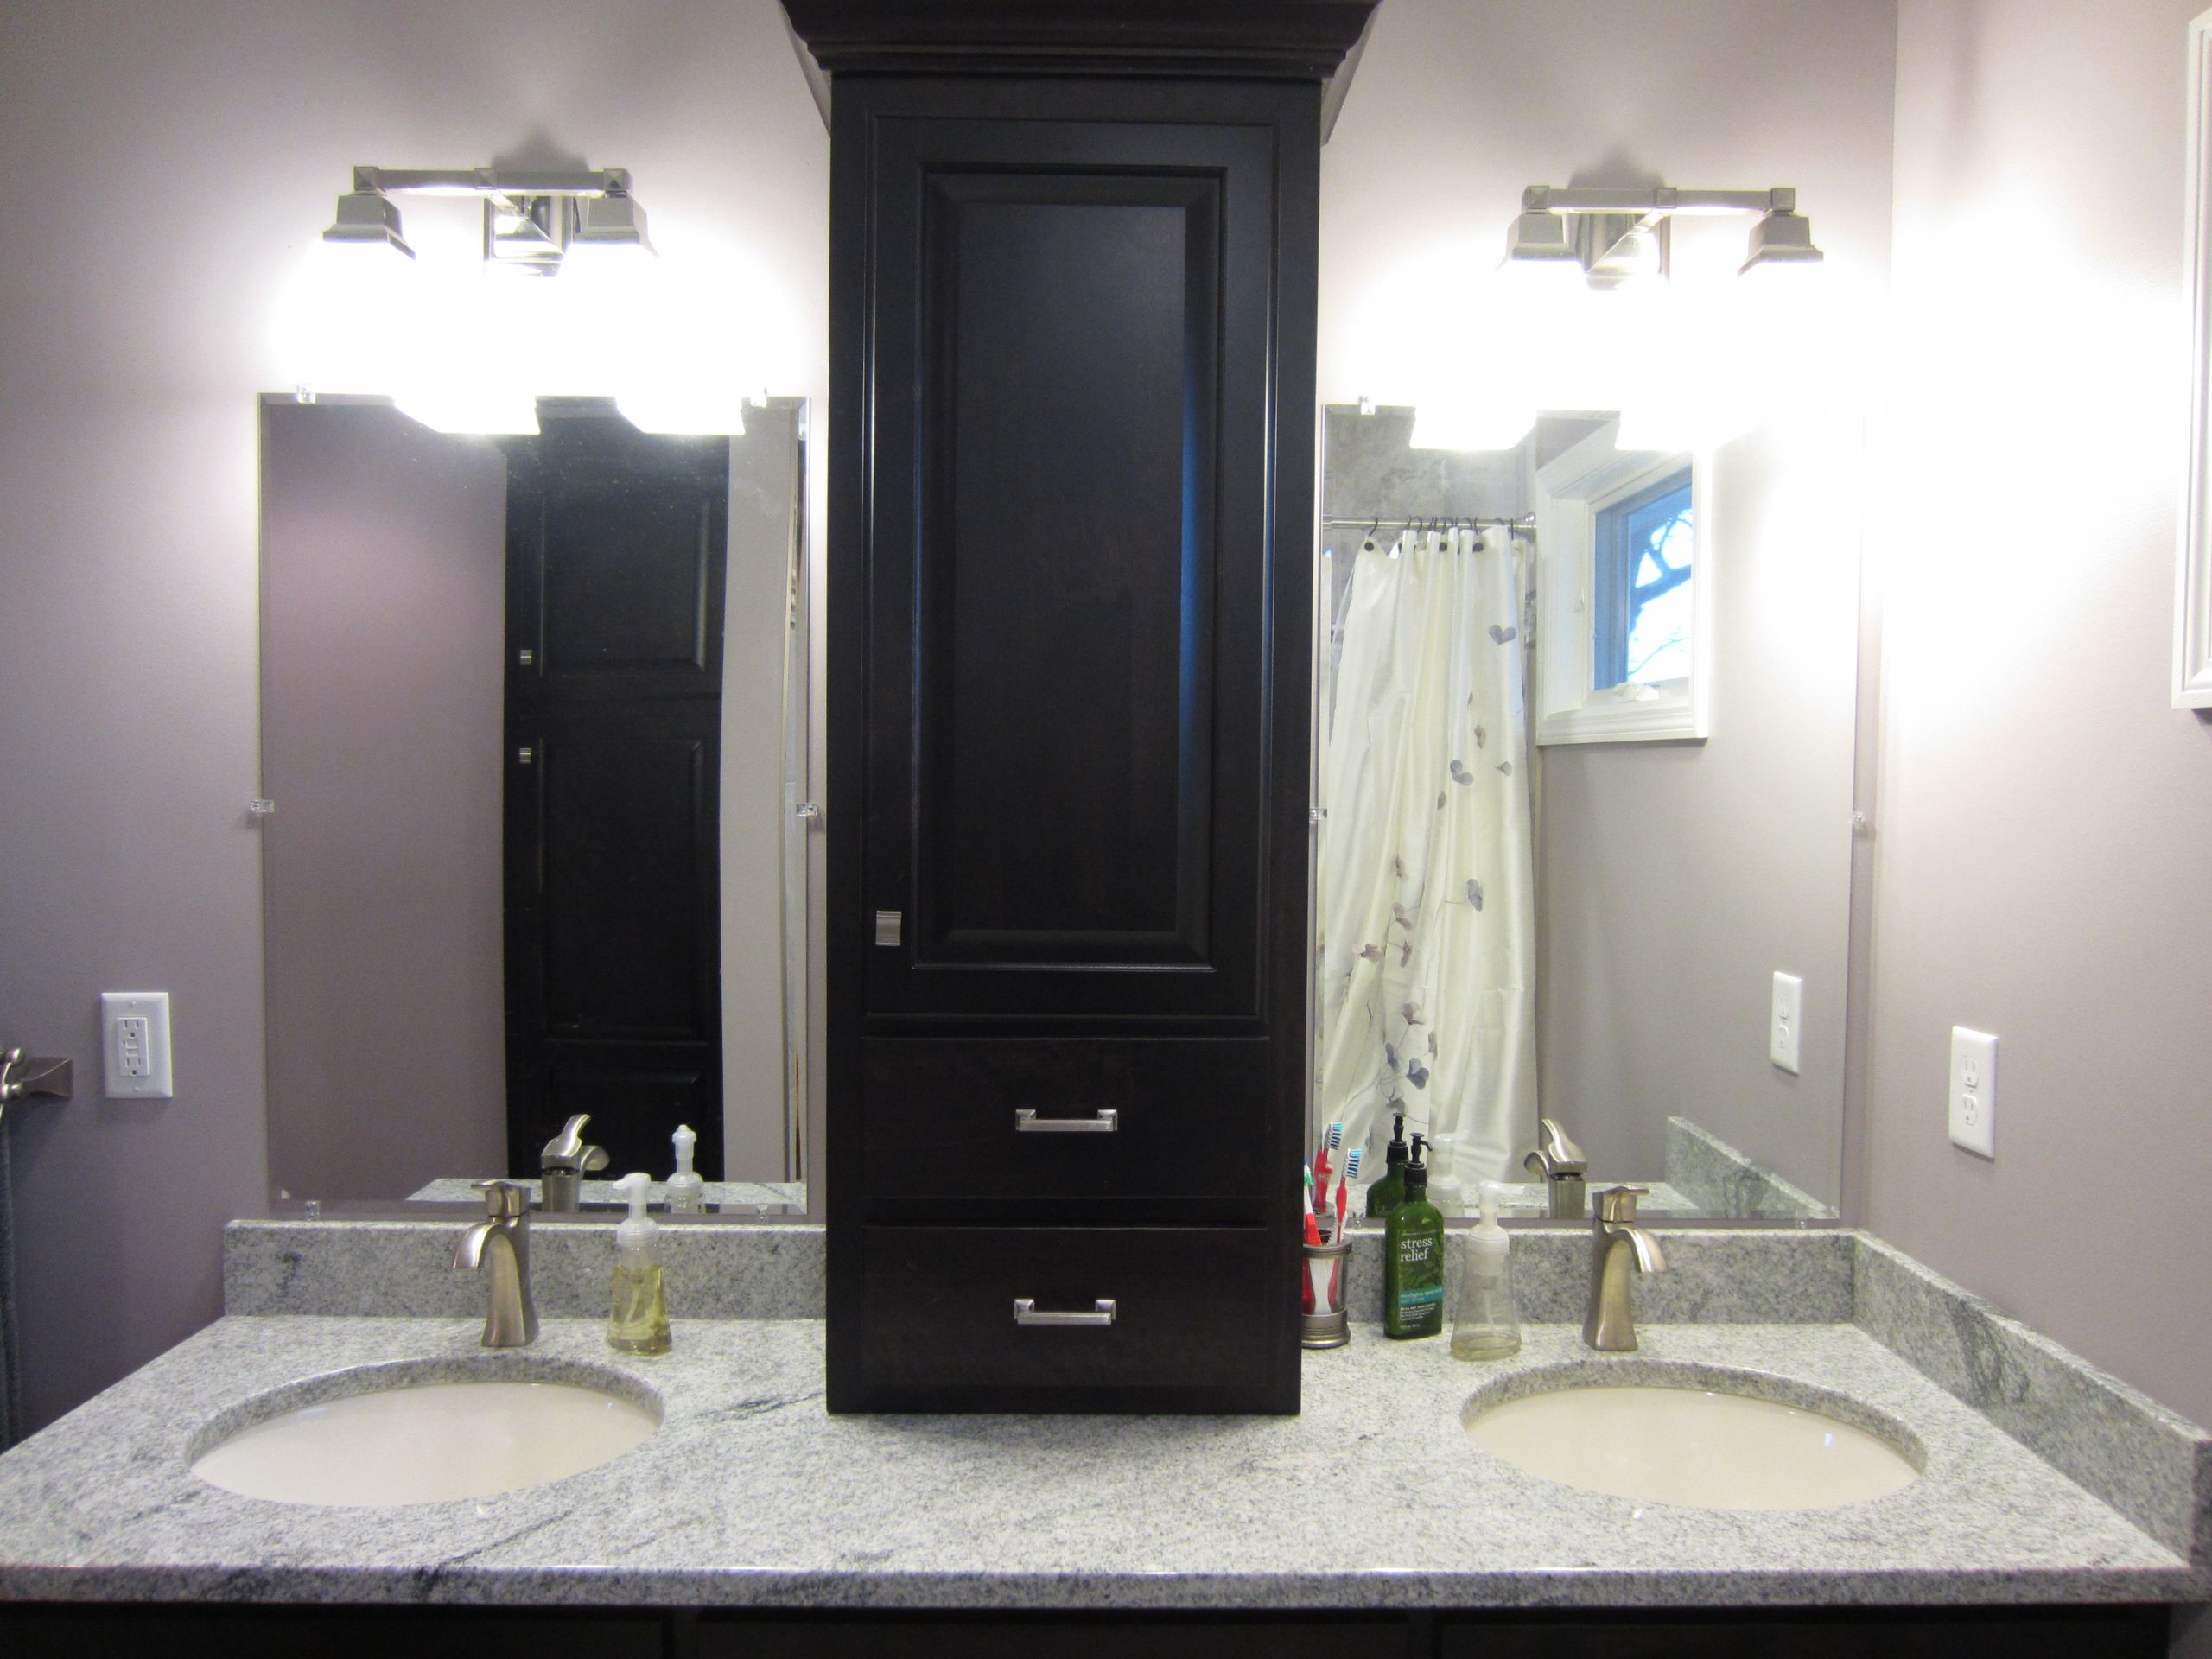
column 1487, row 1323
column 687, row 1193
column 637, row 1322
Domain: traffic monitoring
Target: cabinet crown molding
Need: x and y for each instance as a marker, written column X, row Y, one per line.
column 1285, row 39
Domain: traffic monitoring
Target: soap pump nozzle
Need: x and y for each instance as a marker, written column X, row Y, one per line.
column 1489, row 1236
column 639, row 1234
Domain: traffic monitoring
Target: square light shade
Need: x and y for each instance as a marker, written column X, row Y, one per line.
column 367, row 219
column 609, row 228
column 1540, row 236
column 1779, row 239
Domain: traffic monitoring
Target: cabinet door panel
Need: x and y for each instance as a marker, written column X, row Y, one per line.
column 1070, row 583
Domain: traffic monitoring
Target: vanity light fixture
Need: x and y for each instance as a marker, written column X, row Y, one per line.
column 1617, row 236
column 533, row 221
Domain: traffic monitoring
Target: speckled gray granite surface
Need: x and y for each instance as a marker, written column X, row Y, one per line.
column 2149, row 1463
column 718, row 1195
column 751, row 1494
column 773, row 1270
column 1722, row 1275
column 716, row 1269
column 1726, row 1284
column 1715, row 1179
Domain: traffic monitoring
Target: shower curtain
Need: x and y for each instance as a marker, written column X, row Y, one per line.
column 1427, row 893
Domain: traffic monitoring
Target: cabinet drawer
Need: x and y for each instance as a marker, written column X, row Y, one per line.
column 1190, row 1118
column 1201, row 1318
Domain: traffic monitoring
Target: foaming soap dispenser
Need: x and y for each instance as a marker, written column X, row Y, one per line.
column 687, row 1193
column 1489, row 1322
column 639, row 1322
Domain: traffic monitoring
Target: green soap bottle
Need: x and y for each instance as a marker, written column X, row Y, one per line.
column 1389, row 1188
column 1413, row 1259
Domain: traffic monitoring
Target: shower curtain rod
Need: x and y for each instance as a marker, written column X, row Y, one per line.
column 1527, row 521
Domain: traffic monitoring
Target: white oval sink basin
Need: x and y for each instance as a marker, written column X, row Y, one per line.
column 426, row 1443
column 1692, row 1446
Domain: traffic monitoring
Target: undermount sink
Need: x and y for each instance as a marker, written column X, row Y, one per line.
column 1695, row 1436
column 410, row 1433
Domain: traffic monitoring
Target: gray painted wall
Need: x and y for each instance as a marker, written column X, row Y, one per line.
column 1676, row 878
column 128, row 470
column 384, row 630
column 2042, row 831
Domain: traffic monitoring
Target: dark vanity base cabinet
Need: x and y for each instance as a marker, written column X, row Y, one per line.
column 1071, row 489
column 75, row 1631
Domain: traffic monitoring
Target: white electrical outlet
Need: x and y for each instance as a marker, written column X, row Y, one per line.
column 1783, row 1021
column 1973, row 1092
column 135, row 1045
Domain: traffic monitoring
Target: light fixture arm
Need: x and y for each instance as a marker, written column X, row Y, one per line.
column 1663, row 200
column 502, row 182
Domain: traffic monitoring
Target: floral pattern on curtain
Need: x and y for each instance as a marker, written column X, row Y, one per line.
column 1427, row 890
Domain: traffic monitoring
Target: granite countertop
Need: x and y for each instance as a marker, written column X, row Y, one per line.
column 751, row 1494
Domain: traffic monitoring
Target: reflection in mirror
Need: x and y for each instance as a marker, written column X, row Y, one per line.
column 533, row 729
column 1584, row 734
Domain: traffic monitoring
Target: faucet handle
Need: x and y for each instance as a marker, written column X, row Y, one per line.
column 1559, row 1154
column 503, row 1200
column 567, row 1150
column 1618, row 1204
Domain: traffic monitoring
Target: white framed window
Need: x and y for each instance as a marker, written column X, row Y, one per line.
column 1623, row 593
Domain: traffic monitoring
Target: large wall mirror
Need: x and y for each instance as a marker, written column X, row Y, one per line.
column 535, row 741
column 1585, row 733
column 535, row 728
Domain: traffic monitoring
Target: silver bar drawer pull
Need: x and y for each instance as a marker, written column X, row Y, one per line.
column 1104, row 1120
column 1025, row 1312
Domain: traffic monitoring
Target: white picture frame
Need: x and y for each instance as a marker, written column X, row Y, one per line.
column 2193, row 583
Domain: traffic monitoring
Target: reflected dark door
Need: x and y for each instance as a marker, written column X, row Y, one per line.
column 615, row 559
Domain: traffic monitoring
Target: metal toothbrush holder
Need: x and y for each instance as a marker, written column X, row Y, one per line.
column 1325, row 1324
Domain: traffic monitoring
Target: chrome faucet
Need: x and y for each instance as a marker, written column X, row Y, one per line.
column 1559, row 1163
column 1615, row 1242
column 563, row 1164
column 503, row 1239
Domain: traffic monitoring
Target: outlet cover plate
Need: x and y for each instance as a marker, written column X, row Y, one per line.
column 135, row 1045
column 1973, row 1092
column 1785, row 1022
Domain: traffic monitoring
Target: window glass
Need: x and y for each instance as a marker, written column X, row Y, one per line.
column 1642, row 570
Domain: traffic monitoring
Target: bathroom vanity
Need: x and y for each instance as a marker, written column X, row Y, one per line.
column 2055, row 1510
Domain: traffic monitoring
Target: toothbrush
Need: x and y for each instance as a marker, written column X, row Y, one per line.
column 1344, row 1187
column 1332, row 1142
column 1309, row 1290
column 1336, row 1295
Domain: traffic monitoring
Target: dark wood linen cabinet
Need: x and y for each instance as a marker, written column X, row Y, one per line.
column 1071, row 539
